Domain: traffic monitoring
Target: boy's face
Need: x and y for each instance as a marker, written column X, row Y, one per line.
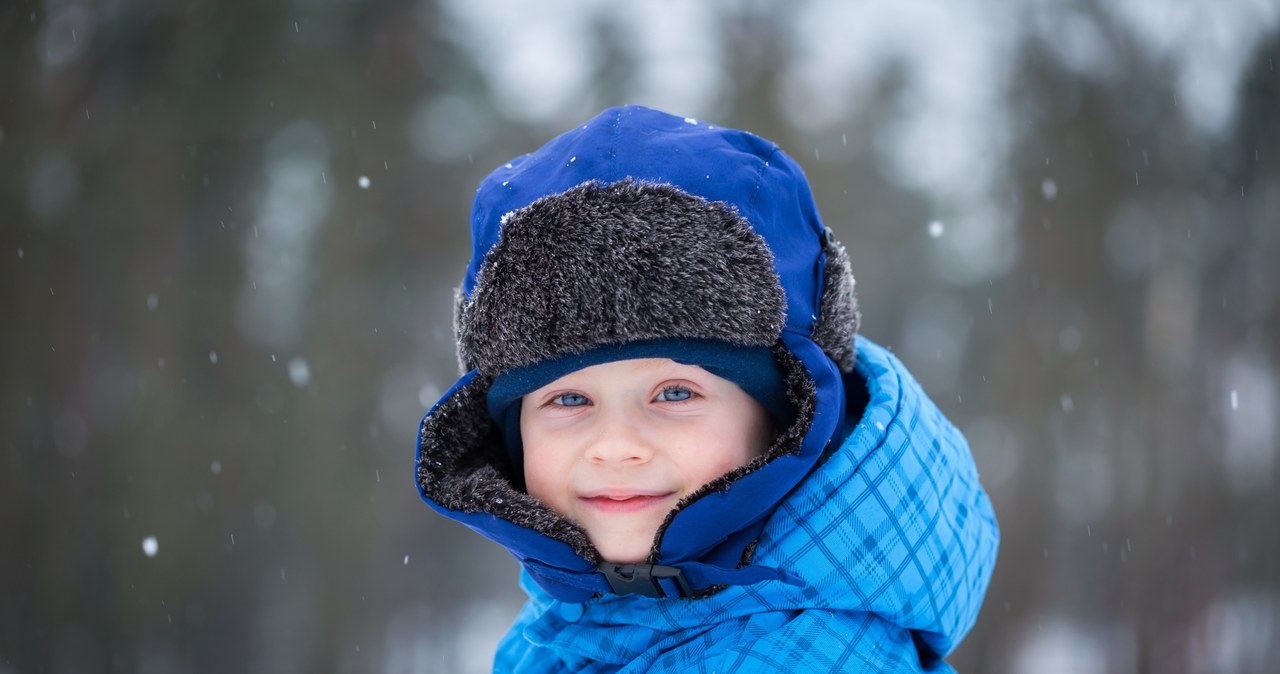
column 614, row 447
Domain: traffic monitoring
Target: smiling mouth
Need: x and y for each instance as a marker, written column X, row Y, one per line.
column 624, row 503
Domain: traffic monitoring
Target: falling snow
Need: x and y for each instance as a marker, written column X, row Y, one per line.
column 299, row 371
column 1049, row 188
column 150, row 546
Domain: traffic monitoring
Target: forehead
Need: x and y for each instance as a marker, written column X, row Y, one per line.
column 636, row 369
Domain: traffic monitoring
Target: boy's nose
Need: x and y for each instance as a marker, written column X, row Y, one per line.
column 620, row 440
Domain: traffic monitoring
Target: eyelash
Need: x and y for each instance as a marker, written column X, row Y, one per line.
column 682, row 389
column 559, row 401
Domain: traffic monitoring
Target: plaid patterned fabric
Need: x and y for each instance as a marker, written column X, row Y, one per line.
column 893, row 536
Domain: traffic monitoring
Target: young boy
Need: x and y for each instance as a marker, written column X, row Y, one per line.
column 665, row 418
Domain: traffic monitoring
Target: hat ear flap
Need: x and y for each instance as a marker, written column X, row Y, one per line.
column 838, row 316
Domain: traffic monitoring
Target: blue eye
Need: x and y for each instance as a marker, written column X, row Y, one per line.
column 570, row 400
column 675, row 394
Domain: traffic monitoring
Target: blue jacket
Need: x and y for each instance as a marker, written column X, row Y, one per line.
column 892, row 536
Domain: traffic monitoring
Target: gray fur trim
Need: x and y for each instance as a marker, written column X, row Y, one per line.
column 838, row 316
column 463, row 467
column 459, row 305
column 609, row 264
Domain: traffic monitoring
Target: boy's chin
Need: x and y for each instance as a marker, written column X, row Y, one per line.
column 624, row 552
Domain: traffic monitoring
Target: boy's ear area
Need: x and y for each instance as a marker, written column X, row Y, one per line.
column 838, row 315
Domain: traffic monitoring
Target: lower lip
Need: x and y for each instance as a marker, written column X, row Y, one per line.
column 629, row 505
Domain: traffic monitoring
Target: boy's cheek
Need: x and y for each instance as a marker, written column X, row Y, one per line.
column 542, row 483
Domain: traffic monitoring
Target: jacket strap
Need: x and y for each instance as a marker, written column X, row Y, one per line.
column 650, row 580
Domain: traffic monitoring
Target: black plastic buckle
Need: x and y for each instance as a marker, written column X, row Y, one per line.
column 642, row 579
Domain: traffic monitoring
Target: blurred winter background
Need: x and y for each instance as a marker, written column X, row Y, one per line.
column 231, row 231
